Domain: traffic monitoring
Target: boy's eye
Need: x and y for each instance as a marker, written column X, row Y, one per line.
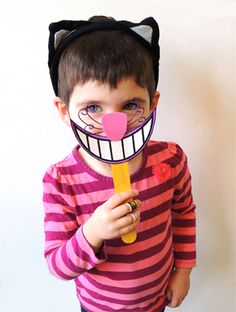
column 94, row 108
column 130, row 106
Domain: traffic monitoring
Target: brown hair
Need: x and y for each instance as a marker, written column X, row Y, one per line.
column 106, row 56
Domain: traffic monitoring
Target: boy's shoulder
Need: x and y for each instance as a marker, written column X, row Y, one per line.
column 166, row 152
column 166, row 158
column 67, row 165
column 171, row 148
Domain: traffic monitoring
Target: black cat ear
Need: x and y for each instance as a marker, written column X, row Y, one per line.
column 58, row 31
column 148, row 29
column 59, row 37
column 144, row 31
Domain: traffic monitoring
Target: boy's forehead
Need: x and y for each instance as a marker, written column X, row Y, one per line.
column 126, row 89
column 93, row 83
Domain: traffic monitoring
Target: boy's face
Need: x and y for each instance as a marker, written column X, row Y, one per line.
column 91, row 101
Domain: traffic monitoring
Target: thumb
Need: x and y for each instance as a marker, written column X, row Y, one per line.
column 169, row 294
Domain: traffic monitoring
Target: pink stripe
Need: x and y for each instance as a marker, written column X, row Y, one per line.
column 56, row 208
column 86, row 247
column 158, row 287
column 185, row 263
column 129, row 284
column 154, row 201
column 126, row 267
column 49, row 245
column 140, row 246
column 103, row 195
column 160, row 305
column 51, row 267
column 82, row 177
column 159, row 219
column 87, row 303
column 151, row 203
column 101, row 305
column 183, row 187
column 161, row 157
column 60, row 226
column 94, row 197
column 184, row 231
column 188, row 247
column 52, row 190
column 83, row 218
column 61, row 265
column 181, row 172
column 76, row 260
column 127, row 290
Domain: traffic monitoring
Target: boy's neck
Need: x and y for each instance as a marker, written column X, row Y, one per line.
column 104, row 168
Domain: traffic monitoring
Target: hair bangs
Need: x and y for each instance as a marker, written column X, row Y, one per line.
column 107, row 57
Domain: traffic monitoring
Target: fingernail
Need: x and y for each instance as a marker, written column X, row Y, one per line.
column 136, row 192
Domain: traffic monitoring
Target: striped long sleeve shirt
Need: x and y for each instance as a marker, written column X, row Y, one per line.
column 121, row 277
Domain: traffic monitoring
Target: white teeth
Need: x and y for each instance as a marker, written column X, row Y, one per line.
column 83, row 138
column 117, row 151
column 105, row 150
column 113, row 150
column 128, row 146
column 138, row 140
column 93, row 145
column 146, row 129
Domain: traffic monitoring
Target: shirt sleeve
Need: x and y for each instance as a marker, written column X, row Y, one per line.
column 183, row 213
column 67, row 252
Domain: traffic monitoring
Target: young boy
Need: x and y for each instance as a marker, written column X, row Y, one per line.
column 99, row 68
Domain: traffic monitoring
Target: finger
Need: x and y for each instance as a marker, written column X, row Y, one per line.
column 179, row 303
column 133, row 216
column 123, row 210
column 132, row 204
column 128, row 228
column 174, row 301
column 129, row 219
column 119, row 199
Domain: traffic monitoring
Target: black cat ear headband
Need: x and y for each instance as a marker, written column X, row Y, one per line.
column 64, row 32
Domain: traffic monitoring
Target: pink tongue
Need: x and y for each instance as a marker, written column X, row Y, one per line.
column 114, row 125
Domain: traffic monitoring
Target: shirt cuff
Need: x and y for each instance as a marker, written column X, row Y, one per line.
column 185, row 264
column 98, row 257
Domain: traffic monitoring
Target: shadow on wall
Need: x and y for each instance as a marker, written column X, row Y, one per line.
column 213, row 131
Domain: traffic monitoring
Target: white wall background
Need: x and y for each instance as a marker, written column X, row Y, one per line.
column 197, row 110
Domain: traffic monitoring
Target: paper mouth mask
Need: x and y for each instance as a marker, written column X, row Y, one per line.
column 119, row 150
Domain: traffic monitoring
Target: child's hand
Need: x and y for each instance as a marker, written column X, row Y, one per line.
column 178, row 287
column 112, row 219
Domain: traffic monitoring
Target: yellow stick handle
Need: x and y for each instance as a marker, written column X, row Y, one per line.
column 121, row 180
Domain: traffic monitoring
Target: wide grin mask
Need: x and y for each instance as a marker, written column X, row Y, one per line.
column 117, row 148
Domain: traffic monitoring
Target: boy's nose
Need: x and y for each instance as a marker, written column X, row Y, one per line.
column 115, row 125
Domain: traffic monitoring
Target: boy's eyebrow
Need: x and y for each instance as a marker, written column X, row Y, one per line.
column 132, row 99
column 86, row 102
column 136, row 99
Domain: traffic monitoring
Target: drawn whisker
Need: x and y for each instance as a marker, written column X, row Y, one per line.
column 140, row 118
